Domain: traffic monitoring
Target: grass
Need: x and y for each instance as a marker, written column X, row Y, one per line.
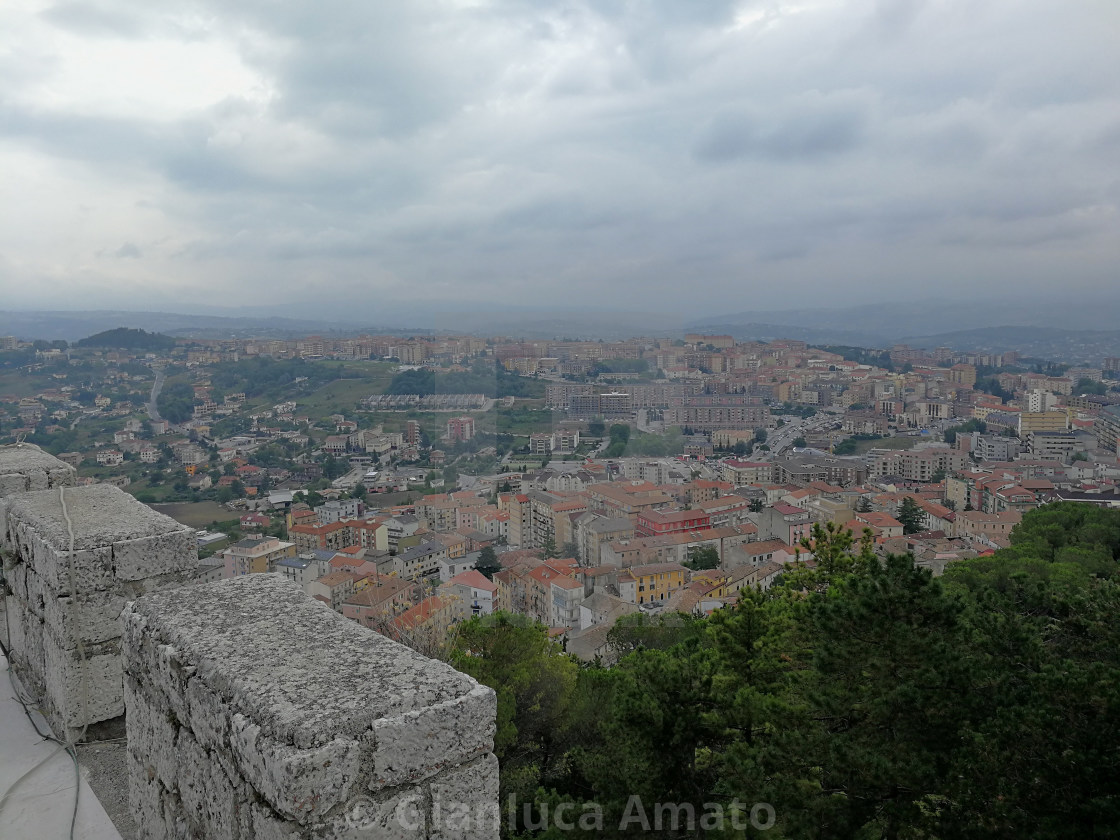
column 520, row 421
column 16, row 384
column 864, row 446
column 339, row 397
column 343, row 395
column 195, row 514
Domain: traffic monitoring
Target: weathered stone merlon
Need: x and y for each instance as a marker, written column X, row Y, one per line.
column 25, row 467
column 66, row 604
column 254, row 687
column 116, row 538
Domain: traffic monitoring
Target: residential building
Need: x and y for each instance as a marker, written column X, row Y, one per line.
column 460, row 428
column 987, row 527
column 470, row 594
column 378, row 604
column 1107, row 429
column 335, row 536
column 421, row 561
column 784, row 522
column 1058, row 446
column 883, row 524
column 759, row 554
column 995, row 447
column 299, row 570
column 255, row 555
column 593, row 531
column 652, row 582
column 746, row 472
column 656, row 523
column 1043, row 421
column 332, row 589
column 917, row 464
column 339, row 509
column 805, row 469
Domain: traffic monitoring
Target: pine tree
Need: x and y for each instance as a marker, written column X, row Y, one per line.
column 910, row 515
column 488, row 562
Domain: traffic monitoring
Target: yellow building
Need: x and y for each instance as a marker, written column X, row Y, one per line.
column 1043, row 421
column 255, row 555
column 652, row 582
column 963, row 375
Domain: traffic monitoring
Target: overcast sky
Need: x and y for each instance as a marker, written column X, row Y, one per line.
column 676, row 155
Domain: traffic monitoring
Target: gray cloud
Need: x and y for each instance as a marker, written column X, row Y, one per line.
column 127, row 251
column 680, row 152
column 806, row 133
column 92, row 19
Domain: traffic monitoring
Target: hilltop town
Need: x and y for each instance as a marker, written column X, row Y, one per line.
column 411, row 483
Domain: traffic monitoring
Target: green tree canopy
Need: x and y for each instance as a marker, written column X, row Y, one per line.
column 910, row 515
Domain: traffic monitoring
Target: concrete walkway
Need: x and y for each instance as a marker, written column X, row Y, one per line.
column 42, row 805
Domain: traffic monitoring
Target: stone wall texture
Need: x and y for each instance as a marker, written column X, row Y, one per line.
column 254, row 711
column 65, row 604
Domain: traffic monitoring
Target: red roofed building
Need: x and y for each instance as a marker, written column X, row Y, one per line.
column 423, row 628
column 252, row 520
column 376, row 605
column 470, row 594
column 656, row 523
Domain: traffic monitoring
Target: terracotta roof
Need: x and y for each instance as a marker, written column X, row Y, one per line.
column 474, row 579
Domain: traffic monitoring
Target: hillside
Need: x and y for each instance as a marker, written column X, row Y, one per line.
column 129, row 339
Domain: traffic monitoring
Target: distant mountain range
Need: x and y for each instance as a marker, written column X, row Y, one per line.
column 529, row 323
column 1072, row 331
column 72, row 326
column 886, row 323
column 1069, row 346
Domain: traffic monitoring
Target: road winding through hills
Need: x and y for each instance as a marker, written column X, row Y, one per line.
column 157, row 386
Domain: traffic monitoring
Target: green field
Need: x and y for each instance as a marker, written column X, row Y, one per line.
column 339, row 397
column 864, row 446
column 14, row 384
column 196, row 514
column 526, row 421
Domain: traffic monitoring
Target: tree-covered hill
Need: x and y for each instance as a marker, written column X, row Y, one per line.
column 128, row 339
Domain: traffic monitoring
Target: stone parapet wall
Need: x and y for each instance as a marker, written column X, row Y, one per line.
column 64, row 613
column 256, row 712
column 25, row 467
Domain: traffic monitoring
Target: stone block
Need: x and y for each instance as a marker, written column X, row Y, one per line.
column 26, row 467
column 16, row 574
column 145, row 795
column 83, row 690
column 283, row 741
column 28, row 646
column 207, row 716
column 75, row 556
column 10, row 484
column 418, row 744
column 397, row 814
column 301, row 783
column 153, row 731
column 93, row 616
column 210, row 797
column 149, row 557
column 464, row 802
column 104, row 520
